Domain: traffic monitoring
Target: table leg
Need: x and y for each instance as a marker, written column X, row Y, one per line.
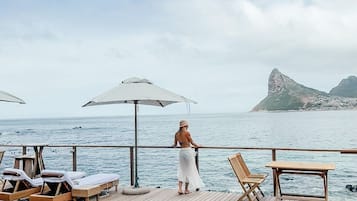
column 40, row 158
column 36, row 162
column 326, row 186
column 278, row 173
column 274, row 181
column 277, row 191
column 39, row 166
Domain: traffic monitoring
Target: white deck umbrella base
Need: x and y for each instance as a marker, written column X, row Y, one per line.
column 135, row 191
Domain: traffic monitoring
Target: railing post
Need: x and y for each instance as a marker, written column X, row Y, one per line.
column 273, row 154
column 273, row 157
column 132, row 166
column 24, row 150
column 74, row 158
column 196, row 159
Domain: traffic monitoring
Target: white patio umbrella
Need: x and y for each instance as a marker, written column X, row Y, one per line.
column 6, row 97
column 138, row 91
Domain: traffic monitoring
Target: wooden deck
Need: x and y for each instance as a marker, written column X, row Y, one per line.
column 160, row 194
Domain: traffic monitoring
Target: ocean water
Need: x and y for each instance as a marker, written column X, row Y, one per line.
column 157, row 167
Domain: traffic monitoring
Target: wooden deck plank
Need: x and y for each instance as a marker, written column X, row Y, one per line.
column 161, row 194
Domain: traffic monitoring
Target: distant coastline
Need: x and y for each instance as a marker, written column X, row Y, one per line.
column 284, row 94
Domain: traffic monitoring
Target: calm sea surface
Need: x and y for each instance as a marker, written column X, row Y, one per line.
column 157, row 167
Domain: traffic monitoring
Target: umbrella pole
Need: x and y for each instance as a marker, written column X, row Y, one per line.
column 136, row 190
column 136, row 185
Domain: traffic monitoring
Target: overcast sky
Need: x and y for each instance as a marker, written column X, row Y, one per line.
column 57, row 55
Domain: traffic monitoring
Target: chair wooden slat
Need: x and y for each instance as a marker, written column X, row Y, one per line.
column 249, row 182
column 1, row 155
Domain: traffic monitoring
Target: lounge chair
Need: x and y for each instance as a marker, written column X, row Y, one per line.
column 18, row 185
column 63, row 188
column 249, row 182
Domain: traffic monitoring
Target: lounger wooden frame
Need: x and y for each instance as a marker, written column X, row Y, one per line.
column 249, row 182
column 74, row 193
column 60, row 197
column 87, row 192
column 21, row 189
column 52, row 192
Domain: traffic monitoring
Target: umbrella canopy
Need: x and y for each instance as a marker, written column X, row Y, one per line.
column 4, row 96
column 141, row 91
column 138, row 91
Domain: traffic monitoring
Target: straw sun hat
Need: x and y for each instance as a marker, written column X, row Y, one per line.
column 183, row 123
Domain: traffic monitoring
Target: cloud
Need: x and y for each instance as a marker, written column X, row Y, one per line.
column 207, row 50
column 274, row 31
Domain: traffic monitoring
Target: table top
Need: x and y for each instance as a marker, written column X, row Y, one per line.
column 25, row 157
column 294, row 165
column 35, row 145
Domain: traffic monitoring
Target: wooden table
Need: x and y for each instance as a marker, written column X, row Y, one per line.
column 305, row 168
column 31, row 164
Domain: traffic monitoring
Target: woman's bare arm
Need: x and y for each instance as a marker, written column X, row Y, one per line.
column 191, row 141
column 175, row 142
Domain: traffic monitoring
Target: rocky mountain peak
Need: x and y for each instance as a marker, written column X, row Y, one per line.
column 286, row 94
column 278, row 81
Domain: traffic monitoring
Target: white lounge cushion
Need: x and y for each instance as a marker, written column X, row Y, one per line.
column 57, row 176
column 76, row 174
column 59, row 173
column 96, row 179
column 13, row 174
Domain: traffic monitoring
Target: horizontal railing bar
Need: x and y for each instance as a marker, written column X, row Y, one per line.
column 201, row 147
column 59, row 145
column 349, row 151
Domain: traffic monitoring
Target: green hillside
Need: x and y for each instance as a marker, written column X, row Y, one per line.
column 346, row 88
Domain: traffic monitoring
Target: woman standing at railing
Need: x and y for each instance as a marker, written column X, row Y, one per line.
column 187, row 171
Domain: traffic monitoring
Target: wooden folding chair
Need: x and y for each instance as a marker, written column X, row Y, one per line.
column 2, row 152
column 249, row 182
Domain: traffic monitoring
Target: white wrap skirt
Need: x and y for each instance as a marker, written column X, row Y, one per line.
column 187, row 171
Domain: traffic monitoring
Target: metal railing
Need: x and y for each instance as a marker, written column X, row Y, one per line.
column 39, row 147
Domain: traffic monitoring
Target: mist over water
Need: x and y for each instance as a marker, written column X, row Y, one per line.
column 157, row 167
